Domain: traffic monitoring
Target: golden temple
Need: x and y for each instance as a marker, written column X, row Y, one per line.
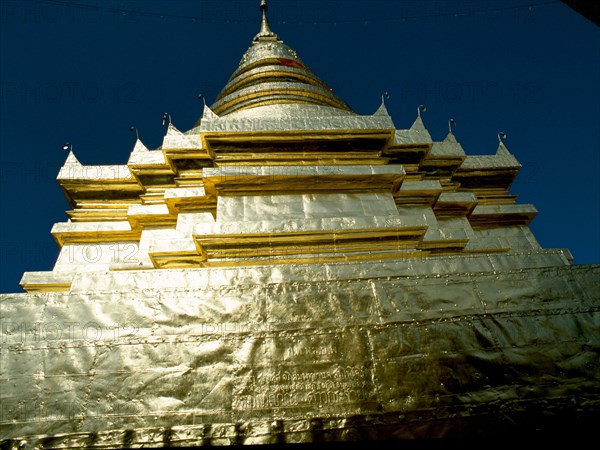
column 291, row 271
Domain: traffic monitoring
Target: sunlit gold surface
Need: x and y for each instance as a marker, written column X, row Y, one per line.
column 355, row 356
column 291, row 271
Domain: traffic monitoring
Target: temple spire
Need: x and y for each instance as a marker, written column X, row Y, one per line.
column 264, row 26
column 271, row 73
column 265, row 33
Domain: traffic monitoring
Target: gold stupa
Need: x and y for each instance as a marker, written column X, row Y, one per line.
column 291, row 271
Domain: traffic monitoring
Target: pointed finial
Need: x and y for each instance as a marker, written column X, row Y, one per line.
column 385, row 96
column 265, row 32
column 166, row 118
column 201, row 97
column 421, row 109
column 451, row 123
column 68, row 146
column 132, row 129
column 501, row 137
column 264, row 26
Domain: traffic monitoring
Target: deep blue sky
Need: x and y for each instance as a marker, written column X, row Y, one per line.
column 86, row 74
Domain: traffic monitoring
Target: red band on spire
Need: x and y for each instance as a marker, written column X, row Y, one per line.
column 289, row 62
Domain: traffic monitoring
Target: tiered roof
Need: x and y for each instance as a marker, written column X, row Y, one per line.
column 278, row 134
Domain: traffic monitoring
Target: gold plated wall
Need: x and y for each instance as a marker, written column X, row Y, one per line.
column 342, row 356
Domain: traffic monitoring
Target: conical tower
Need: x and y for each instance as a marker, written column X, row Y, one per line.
column 271, row 73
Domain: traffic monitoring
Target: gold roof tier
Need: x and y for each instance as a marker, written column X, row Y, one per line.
column 271, row 73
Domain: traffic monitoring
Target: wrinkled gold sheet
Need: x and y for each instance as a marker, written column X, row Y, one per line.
column 298, row 361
